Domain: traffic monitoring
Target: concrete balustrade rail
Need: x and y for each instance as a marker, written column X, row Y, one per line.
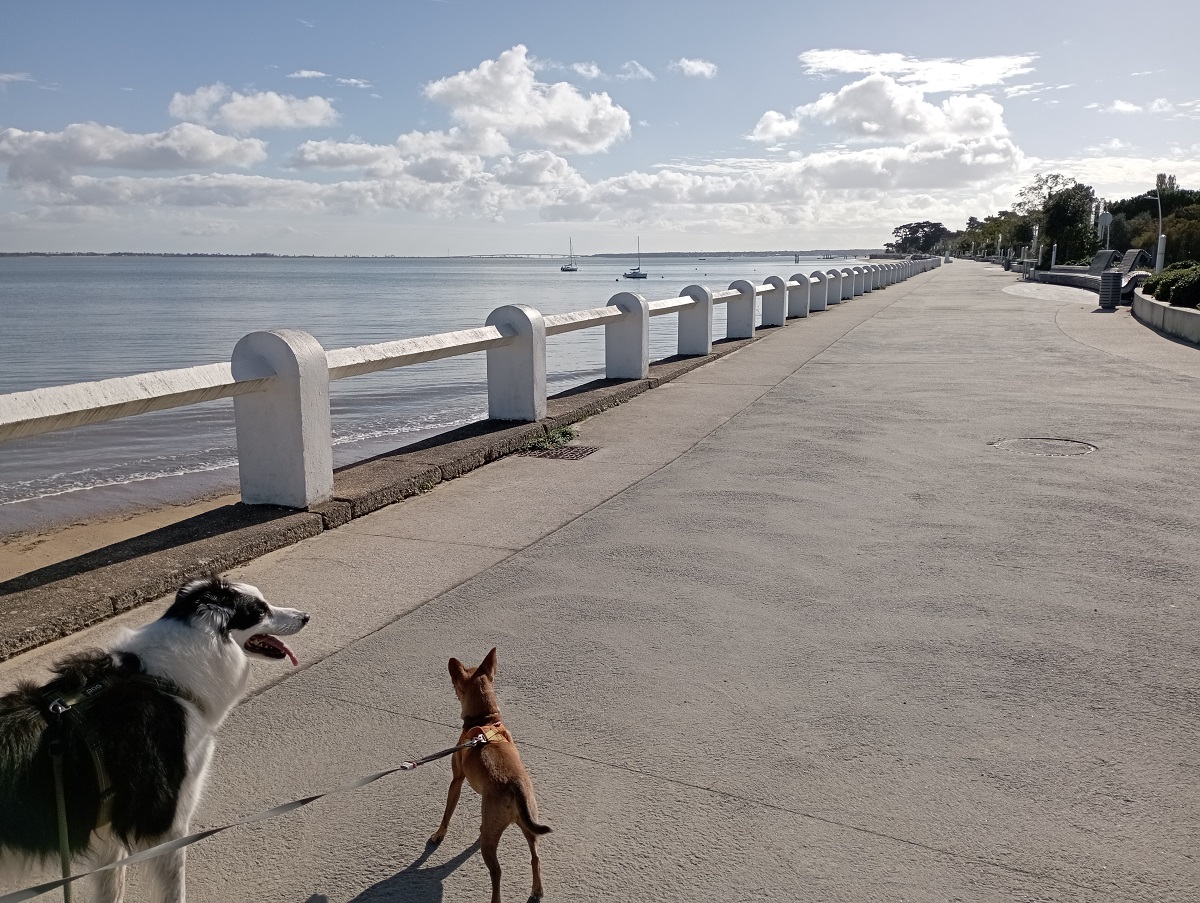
column 279, row 380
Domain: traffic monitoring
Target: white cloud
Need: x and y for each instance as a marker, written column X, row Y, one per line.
column 1185, row 110
column 632, row 70
column 308, row 73
column 219, row 106
column 774, row 127
column 878, row 108
column 504, row 95
column 588, row 70
column 932, row 76
column 694, row 68
column 49, row 156
column 11, row 78
column 354, row 82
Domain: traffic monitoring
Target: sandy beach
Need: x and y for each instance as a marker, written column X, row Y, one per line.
column 29, row 550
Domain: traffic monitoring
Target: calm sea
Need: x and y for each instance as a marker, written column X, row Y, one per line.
column 73, row 319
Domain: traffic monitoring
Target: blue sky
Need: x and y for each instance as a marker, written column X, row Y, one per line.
column 430, row 126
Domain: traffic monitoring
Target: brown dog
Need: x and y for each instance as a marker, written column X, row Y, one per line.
column 494, row 771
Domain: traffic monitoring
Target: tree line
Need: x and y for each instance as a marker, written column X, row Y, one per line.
column 1066, row 212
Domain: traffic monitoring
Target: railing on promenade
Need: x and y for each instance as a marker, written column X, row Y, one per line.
column 279, row 380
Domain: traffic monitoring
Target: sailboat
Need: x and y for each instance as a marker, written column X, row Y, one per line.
column 636, row 272
column 570, row 267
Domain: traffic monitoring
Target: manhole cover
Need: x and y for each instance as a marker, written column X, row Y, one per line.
column 1045, row 448
column 565, row 453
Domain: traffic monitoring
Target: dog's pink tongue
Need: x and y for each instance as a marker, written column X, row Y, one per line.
column 275, row 643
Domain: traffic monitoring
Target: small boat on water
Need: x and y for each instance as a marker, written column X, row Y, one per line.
column 569, row 266
column 636, row 272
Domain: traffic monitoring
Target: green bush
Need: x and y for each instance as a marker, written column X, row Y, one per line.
column 1181, row 265
column 1159, row 286
column 1185, row 292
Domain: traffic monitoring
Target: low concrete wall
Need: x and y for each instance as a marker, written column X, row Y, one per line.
column 1180, row 322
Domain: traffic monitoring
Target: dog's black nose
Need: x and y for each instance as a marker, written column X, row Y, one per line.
column 306, row 618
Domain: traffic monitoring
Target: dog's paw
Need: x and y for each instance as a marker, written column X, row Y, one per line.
column 434, row 839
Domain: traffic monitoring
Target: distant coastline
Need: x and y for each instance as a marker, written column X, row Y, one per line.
column 823, row 252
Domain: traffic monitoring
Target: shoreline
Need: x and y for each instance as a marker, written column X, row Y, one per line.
column 28, row 550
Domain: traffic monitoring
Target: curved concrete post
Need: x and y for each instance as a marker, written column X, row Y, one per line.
column 285, row 447
column 627, row 341
column 695, row 323
column 876, row 277
column 739, row 316
column 798, row 296
column 847, row 284
column 774, row 303
column 516, row 372
column 833, row 291
column 889, row 274
column 818, row 294
column 860, row 280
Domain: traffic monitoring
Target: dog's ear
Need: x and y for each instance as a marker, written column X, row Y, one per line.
column 488, row 665
column 458, row 671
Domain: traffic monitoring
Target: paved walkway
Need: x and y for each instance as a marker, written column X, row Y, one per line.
column 799, row 630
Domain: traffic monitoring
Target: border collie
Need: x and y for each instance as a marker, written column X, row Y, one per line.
column 146, row 713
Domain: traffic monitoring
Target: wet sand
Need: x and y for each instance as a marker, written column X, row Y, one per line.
column 29, row 550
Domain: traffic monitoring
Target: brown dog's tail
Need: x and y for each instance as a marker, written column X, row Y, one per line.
column 527, row 821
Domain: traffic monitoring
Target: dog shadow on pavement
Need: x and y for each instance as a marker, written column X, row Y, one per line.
column 415, row 884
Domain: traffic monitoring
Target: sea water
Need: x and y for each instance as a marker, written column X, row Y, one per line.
column 74, row 319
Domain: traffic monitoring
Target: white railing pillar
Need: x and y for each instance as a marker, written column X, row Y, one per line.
column 516, row 372
column 818, row 297
column 833, row 289
column 860, row 281
column 798, row 296
column 285, row 451
column 695, row 323
column 774, row 302
column 627, row 340
column 847, row 284
column 739, row 315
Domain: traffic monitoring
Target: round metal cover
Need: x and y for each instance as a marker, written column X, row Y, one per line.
column 1044, row 447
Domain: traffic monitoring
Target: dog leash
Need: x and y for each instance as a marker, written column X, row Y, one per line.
column 477, row 740
column 29, row 893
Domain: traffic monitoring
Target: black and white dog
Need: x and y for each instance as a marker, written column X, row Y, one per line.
column 141, row 718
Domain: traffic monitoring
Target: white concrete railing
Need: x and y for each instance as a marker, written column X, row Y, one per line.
column 279, row 380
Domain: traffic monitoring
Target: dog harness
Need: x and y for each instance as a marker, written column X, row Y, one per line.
column 73, row 707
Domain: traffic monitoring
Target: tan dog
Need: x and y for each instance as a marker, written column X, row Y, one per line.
column 494, row 771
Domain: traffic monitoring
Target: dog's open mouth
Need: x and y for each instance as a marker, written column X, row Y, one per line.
column 269, row 647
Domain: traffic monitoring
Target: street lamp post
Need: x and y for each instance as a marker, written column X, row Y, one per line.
column 1162, row 238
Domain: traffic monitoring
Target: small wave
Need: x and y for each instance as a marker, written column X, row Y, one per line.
column 211, row 459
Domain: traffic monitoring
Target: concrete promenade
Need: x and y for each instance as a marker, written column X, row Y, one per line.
column 798, row 630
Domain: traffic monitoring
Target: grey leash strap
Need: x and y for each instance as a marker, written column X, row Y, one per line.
column 30, row 893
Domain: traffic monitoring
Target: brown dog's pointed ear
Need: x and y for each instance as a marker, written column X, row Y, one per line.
column 458, row 671
column 488, row 665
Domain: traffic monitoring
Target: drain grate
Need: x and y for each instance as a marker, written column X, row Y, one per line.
column 1043, row 447
column 563, row 453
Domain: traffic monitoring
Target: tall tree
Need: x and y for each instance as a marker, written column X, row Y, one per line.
column 1068, row 219
column 918, row 238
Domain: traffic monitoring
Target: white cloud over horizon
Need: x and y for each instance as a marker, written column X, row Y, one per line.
column 932, row 76
column 504, row 95
column 504, row 141
column 218, row 105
